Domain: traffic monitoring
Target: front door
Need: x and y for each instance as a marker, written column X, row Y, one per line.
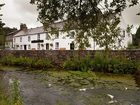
column 72, row 46
column 47, row 46
column 25, row 47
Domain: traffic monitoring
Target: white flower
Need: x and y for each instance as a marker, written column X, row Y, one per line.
column 111, row 96
column 84, row 89
column 49, row 85
column 11, row 81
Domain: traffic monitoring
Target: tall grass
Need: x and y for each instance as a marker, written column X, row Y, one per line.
column 13, row 97
column 102, row 63
column 78, row 63
column 25, row 61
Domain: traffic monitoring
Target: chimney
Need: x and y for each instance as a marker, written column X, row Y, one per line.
column 23, row 27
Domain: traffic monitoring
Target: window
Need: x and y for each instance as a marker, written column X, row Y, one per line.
column 47, row 46
column 38, row 36
column 14, row 39
column 123, row 33
column 57, row 36
column 20, row 47
column 20, row 39
column 47, row 37
column 38, row 46
column 57, row 45
column 29, row 38
column 72, row 34
column 72, row 46
column 29, row 46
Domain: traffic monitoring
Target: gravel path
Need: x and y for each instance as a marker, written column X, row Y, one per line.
column 35, row 92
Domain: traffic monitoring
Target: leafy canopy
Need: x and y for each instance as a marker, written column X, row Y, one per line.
column 136, row 38
column 1, row 29
column 84, row 16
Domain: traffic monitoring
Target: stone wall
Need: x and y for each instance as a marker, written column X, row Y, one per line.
column 58, row 56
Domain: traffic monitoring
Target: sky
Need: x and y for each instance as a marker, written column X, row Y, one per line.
column 16, row 12
column 21, row 11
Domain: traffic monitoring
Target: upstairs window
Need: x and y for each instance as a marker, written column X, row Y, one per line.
column 72, row 34
column 123, row 33
column 29, row 38
column 14, row 39
column 20, row 39
column 56, row 35
column 47, row 37
column 38, row 36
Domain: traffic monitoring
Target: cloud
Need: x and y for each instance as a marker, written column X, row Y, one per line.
column 20, row 11
column 130, row 16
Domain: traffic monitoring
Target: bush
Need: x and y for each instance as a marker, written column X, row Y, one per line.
column 77, row 63
column 41, row 63
column 115, row 64
column 25, row 61
column 101, row 63
column 8, row 60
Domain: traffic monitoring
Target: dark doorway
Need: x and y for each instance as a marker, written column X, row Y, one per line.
column 72, row 46
column 47, row 46
column 25, row 47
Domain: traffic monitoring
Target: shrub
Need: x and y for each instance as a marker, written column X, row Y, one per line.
column 8, row 60
column 77, row 63
column 101, row 63
column 41, row 63
column 25, row 61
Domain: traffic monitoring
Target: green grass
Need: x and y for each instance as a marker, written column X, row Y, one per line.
column 78, row 79
column 12, row 97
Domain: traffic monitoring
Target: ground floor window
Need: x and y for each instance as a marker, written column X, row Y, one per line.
column 29, row 46
column 57, row 45
column 20, row 47
column 38, row 46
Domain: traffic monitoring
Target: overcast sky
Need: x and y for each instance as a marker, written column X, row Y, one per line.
column 21, row 11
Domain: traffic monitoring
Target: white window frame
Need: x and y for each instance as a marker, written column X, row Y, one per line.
column 38, row 36
column 29, row 38
column 21, row 39
column 56, row 45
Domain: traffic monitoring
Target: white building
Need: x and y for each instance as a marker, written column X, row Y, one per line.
column 38, row 39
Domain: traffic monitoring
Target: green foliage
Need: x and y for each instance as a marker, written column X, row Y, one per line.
column 8, row 60
column 25, row 61
column 42, row 63
column 116, row 64
column 83, row 16
column 2, row 35
column 102, row 63
column 107, row 32
column 136, row 38
column 77, row 63
column 15, row 98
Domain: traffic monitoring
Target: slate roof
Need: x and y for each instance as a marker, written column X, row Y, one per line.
column 31, row 31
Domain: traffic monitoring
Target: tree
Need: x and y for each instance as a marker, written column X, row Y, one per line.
column 107, row 33
column 83, row 16
column 2, row 37
column 8, row 30
column 136, row 38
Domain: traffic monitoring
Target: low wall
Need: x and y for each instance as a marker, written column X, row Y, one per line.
column 58, row 56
